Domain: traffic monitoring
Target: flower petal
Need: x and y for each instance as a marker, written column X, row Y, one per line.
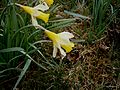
column 34, row 22
column 66, row 35
column 68, row 47
column 61, row 50
column 65, row 42
column 42, row 16
column 53, row 36
column 54, row 50
column 43, row 7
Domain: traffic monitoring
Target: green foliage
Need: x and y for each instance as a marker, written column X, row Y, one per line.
column 103, row 15
column 14, row 45
column 100, row 11
column 22, row 73
column 18, row 42
column 22, row 48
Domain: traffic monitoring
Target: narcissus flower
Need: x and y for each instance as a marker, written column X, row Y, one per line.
column 35, row 14
column 44, row 5
column 61, row 41
column 49, row 2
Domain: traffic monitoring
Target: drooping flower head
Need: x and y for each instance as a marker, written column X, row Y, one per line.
column 35, row 13
column 60, row 41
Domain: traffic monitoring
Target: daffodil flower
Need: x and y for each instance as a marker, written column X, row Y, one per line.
column 44, row 5
column 61, row 41
column 35, row 14
column 49, row 2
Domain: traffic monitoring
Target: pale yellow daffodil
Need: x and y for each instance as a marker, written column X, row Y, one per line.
column 61, row 41
column 44, row 5
column 35, row 14
column 49, row 2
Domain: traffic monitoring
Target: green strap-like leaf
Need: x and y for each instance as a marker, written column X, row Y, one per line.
column 76, row 15
column 27, row 64
column 11, row 49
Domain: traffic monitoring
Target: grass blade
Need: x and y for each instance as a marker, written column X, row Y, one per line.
column 11, row 49
column 33, row 60
column 27, row 64
column 76, row 15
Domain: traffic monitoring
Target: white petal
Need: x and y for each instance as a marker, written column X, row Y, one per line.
column 66, row 35
column 43, row 6
column 34, row 22
column 54, row 51
column 61, row 51
column 40, row 1
column 35, row 13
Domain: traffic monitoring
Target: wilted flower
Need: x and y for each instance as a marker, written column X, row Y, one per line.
column 61, row 41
